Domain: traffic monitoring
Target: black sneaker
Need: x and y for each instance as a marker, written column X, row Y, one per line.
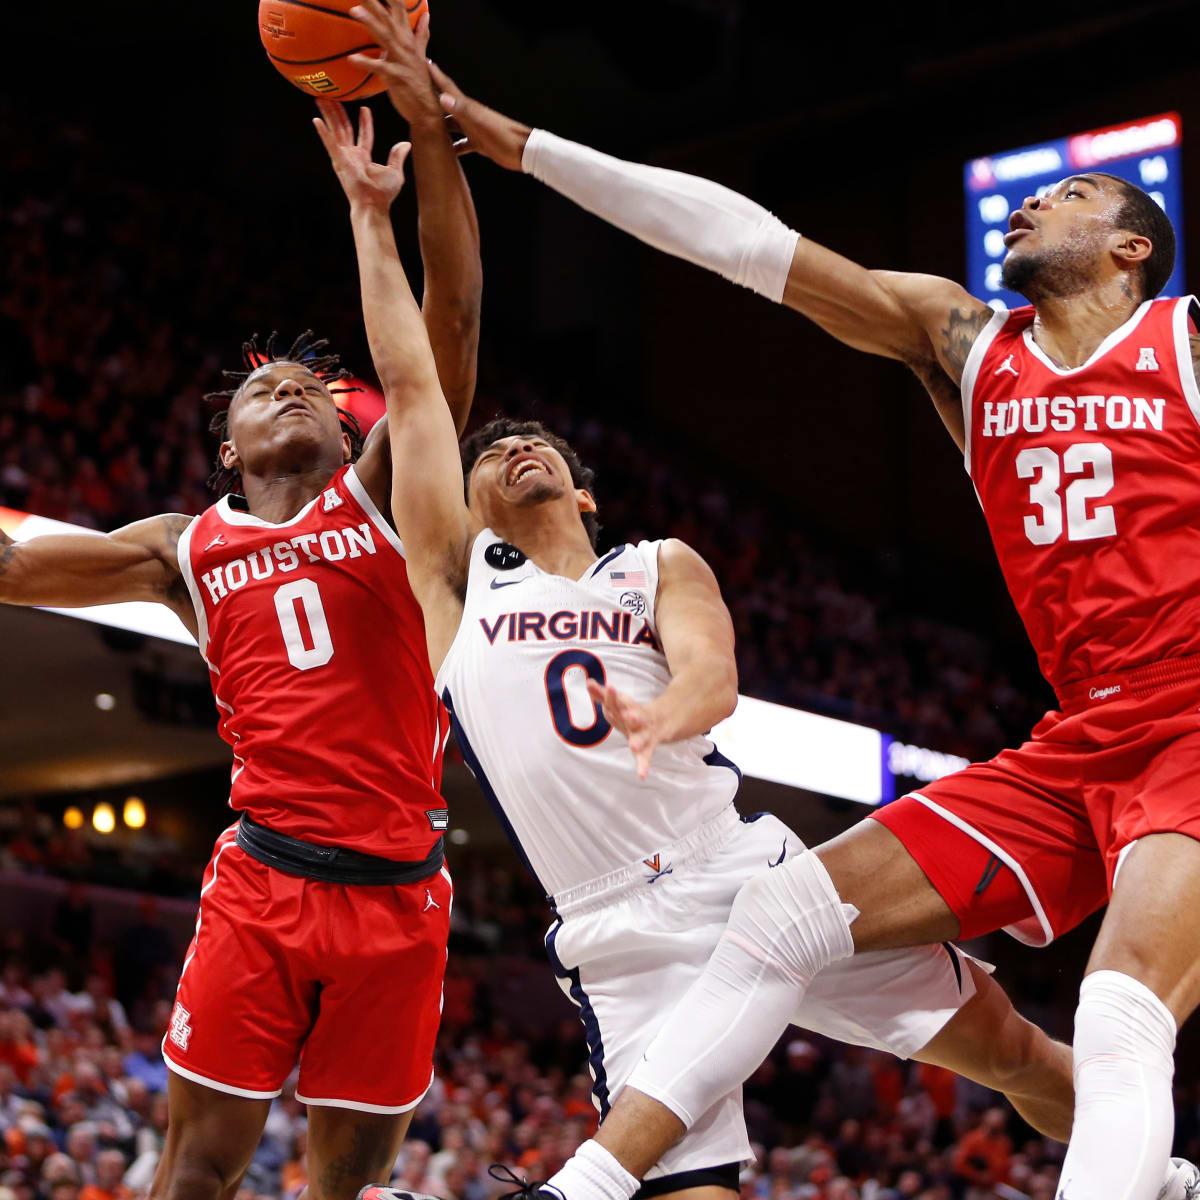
column 522, row 1188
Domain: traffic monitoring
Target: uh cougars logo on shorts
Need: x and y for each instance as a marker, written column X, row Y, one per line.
column 180, row 1032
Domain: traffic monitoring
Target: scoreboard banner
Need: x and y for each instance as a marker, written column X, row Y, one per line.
column 768, row 741
column 1147, row 152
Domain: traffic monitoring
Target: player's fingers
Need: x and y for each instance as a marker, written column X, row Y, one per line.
column 421, row 34
column 371, row 62
column 374, row 17
column 338, row 121
column 366, row 130
column 463, row 147
column 399, row 156
column 450, row 95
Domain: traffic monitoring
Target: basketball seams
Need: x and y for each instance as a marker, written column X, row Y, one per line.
column 322, row 46
column 309, row 62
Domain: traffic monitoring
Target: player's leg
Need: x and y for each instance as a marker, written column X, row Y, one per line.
column 348, row 1149
column 1142, row 983
column 235, row 1030
column 211, row 1138
column 368, row 1060
column 989, row 1042
column 934, row 870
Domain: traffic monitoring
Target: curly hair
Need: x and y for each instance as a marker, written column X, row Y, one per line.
column 307, row 352
column 504, row 427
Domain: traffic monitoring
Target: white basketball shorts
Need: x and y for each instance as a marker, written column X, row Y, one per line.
column 626, row 947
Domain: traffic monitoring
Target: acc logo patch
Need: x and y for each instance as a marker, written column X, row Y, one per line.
column 635, row 602
column 503, row 557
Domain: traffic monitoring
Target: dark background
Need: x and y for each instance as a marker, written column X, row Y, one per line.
column 851, row 122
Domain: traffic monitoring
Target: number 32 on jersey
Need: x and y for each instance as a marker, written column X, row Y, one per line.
column 1087, row 468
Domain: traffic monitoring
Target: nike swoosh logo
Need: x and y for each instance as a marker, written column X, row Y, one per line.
column 499, row 583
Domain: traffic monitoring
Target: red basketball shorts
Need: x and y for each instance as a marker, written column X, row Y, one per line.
column 1031, row 841
column 347, row 981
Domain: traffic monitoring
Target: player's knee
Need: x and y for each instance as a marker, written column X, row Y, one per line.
column 791, row 917
column 199, row 1175
column 1022, row 1059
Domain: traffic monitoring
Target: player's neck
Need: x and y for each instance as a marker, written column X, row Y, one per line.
column 1070, row 328
column 278, row 498
column 555, row 541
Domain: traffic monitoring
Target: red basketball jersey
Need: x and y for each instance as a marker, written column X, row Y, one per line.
column 1090, row 482
column 316, row 647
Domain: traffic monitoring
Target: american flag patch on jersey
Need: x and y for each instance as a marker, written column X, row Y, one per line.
column 627, row 579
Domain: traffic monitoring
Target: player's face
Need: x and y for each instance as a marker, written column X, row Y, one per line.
column 282, row 418
column 516, row 474
column 1056, row 241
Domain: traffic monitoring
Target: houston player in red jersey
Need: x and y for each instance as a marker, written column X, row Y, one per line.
column 332, row 880
column 1079, row 417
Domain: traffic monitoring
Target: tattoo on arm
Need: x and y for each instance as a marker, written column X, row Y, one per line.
column 7, row 549
column 963, row 326
column 173, row 526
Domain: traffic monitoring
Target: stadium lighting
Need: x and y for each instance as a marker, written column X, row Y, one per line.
column 134, row 813
column 73, row 818
column 104, row 820
column 105, row 701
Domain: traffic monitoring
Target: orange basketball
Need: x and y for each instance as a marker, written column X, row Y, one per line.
column 308, row 44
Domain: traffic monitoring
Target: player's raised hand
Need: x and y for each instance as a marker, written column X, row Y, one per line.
column 484, row 131
column 403, row 65
column 364, row 181
column 637, row 723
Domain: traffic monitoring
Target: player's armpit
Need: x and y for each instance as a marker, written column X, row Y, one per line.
column 138, row 562
column 696, row 632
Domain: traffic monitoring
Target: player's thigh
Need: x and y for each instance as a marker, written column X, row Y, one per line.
column 897, row 904
column 1006, row 844
column 370, row 1049
column 211, row 1138
column 989, row 1042
column 246, row 994
column 348, row 1149
column 1152, row 928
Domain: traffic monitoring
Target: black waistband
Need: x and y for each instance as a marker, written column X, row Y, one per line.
column 332, row 864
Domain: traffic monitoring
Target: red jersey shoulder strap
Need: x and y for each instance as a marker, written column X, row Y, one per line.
column 1000, row 321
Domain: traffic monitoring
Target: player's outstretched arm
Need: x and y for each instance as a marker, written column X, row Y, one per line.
column 923, row 320
column 448, row 227
column 697, row 638
column 138, row 562
column 427, row 495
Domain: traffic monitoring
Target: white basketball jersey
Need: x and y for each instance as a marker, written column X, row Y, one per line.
column 561, row 779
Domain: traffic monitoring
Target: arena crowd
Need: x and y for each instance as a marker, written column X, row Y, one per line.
column 113, row 327
column 83, row 1105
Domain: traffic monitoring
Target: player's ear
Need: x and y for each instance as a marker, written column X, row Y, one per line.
column 1131, row 248
column 229, row 457
column 347, row 451
column 585, row 500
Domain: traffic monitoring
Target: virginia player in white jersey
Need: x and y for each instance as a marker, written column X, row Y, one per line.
column 583, row 687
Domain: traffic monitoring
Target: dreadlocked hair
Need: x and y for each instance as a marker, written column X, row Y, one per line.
column 503, row 427
column 306, row 351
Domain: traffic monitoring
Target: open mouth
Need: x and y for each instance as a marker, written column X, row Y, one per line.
column 523, row 468
column 295, row 406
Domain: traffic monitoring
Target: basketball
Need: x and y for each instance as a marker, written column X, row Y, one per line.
column 308, row 44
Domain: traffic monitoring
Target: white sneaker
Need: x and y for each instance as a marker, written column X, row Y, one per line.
column 1183, row 1181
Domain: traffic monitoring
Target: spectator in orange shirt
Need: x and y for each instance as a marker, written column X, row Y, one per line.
column 110, row 1171
column 16, row 1043
column 984, row 1155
